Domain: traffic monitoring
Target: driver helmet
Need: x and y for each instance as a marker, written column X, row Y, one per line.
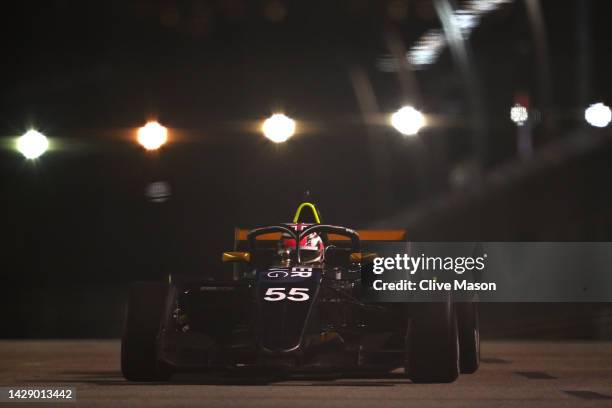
column 312, row 248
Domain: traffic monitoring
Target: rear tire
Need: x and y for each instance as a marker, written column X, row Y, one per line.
column 469, row 336
column 139, row 360
column 432, row 343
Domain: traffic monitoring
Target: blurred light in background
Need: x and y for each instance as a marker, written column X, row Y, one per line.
column 427, row 49
column 158, row 191
column 519, row 114
column 408, row 120
column 152, row 135
column 278, row 128
column 432, row 43
column 32, row 144
column 598, row 115
column 275, row 11
column 484, row 6
column 466, row 21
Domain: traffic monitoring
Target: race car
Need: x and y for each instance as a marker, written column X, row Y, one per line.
column 293, row 303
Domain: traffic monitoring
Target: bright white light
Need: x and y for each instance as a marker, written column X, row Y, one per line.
column 32, row 144
column 466, row 21
column 408, row 121
column 152, row 136
column 598, row 115
column 278, row 128
column 428, row 48
column 519, row 114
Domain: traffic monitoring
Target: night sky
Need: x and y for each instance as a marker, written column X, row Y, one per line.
column 88, row 74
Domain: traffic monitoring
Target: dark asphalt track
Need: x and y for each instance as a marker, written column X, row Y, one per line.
column 523, row 374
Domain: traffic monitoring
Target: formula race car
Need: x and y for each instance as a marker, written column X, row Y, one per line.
column 292, row 302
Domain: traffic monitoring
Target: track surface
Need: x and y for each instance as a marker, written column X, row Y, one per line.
column 525, row 374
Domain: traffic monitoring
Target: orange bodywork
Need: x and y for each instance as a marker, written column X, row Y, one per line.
column 240, row 234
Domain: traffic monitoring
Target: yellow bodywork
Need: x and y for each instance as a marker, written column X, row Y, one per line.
column 236, row 257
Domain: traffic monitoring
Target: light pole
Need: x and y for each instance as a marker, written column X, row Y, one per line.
column 152, row 136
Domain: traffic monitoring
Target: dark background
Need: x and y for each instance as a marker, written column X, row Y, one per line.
column 76, row 225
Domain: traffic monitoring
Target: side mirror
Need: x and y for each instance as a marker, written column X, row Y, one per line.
column 236, row 257
column 359, row 257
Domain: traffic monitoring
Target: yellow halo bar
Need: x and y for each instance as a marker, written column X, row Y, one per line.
column 312, row 207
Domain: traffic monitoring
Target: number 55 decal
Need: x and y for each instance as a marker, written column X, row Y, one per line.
column 295, row 294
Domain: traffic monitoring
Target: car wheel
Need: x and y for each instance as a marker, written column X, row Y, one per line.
column 139, row 361
column 432, row 343
column 469, row 336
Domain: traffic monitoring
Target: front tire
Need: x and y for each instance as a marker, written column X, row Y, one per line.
column 139, row 360
column 469, row 336
column 432, row 343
